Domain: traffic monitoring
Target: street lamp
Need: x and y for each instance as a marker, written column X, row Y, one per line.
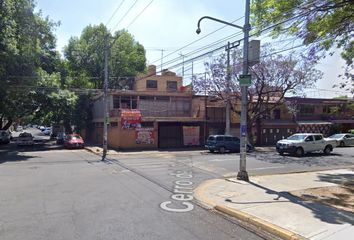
column 242, row 174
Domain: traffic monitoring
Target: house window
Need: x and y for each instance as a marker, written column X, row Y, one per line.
column 171, row 86
column 163, row 98
column 147, row 124
column 150, row 98
column 114, row 124
column 128, row 102
column 307, row 109
column 276, row 114
column 116, row 102
column 152, row 84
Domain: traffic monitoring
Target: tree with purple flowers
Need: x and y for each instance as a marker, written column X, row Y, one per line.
column 321, row 25
column 273, row 78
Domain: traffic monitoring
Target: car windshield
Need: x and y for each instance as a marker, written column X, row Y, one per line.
column 336, row 136
column 297, row 137
column 211, row 138
column 74, row 137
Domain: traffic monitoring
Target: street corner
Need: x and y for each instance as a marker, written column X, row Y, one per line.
column 94, row 150
column 214, row 194
column 204, row 193
column 258, row 222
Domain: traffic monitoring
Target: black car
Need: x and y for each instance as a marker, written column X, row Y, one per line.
column 223, row 143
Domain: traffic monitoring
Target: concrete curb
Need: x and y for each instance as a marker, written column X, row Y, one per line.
column 264, row 225
column 245, row 217
column 91, row 151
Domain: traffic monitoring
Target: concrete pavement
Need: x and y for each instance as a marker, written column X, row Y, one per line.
column 266, row 202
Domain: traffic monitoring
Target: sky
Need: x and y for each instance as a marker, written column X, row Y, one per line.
column 166, row 27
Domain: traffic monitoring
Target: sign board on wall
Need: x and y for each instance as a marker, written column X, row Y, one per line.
column 144, row 136
column 191, row 135
column 130, row 119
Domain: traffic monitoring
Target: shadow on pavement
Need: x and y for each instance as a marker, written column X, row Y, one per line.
column 324, row 213
column 340, row 179
column 311, row 159
column 13, row 157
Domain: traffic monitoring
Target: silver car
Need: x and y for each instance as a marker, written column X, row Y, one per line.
column 343, row 139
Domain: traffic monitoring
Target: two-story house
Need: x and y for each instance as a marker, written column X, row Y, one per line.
column 159, row 112
column 299, row 115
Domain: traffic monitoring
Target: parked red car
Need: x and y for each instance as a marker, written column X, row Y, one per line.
column 74, row 141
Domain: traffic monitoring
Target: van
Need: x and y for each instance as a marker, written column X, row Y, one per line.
column 223, row 143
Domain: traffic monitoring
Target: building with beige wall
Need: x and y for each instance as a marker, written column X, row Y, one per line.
column 168, row 113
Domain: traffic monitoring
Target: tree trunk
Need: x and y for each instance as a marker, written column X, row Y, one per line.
column 7, row 125
column 67, row 127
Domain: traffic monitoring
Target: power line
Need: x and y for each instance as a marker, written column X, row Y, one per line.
column 126, row 13
column 139, row 14
column 231, row 36
column 115, row 11
column 187, row 45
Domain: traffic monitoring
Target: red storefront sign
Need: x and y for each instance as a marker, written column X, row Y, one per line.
column 130, row 119
column 144, row 136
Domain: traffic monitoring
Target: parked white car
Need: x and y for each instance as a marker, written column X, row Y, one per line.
column 25, row 139
column 343, row 139
column 302, row 143
column 47, row 131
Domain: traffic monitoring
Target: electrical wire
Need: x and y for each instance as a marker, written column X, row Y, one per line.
column 189, row 44
column 263, row 29
column 115, row 11
column 136, row 17
column 126, row 13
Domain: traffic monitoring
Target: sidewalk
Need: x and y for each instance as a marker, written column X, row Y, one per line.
column 269, row 202
column 98, row 150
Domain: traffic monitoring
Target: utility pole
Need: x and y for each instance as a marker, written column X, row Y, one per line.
column 228, row 79
column 205, row 105
column 105, row 99
column 182, row 63
column 161, row 59
column 228, row 47
column 242, row 174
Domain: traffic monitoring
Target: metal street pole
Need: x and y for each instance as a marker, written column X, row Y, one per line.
column 242, row 174
column 105, row 100
column 228, row 79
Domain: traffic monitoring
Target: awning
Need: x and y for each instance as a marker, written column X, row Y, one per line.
column 313, row 123
column 343, row 121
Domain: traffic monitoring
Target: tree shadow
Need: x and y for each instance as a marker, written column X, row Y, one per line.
column 310, row 159
column 345, row 179
column 13, row 157
column 323, row 212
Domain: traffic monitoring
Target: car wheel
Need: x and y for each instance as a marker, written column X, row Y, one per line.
column 212, row 150
column 281, row 153
column 299, row 152
column 327, row 150
column 342, row 144
column 222, row 150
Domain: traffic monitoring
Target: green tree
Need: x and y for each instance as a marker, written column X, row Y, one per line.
column 322, row 25
column 85, row 57
column 27, row 45
column 272, row 79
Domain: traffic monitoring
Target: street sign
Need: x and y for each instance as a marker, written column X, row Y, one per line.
column 245, row 80
column 243, row 130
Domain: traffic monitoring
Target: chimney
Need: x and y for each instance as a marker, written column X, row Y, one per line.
column 152, row 70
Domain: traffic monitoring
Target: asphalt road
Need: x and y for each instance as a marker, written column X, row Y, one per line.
column 53, row 193
column 68, row 194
